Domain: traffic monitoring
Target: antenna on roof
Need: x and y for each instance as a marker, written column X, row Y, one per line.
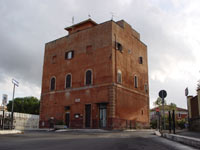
column 112, row 15
column 89, row 16
column 73, row 20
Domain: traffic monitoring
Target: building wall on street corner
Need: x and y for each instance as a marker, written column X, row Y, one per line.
column 132, row 104
column 97, row 58
column 95, row 49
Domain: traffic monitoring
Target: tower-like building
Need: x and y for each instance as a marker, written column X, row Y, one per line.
column 96, row 77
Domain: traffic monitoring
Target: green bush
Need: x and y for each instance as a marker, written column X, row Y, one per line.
column 181, row 124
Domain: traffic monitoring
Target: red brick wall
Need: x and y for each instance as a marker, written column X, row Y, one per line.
column 131, row 103
column 194, row 107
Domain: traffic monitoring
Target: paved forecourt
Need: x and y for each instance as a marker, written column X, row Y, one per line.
column 72, row 140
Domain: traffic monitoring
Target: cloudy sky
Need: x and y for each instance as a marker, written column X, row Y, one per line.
column 170, row 29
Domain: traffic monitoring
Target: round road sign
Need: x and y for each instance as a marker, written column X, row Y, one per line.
column 162, row 94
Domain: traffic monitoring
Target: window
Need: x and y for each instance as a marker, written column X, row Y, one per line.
column 88, row 75
column 54, row 59
column 146, row 88
column 53, row 83
column 89, row 49
column 136, row 82
column 119, row 76
column 142, row 112
column 140, row 60
column 69, row 55
column 119, row 46
column 179, row 115
column 68, row 81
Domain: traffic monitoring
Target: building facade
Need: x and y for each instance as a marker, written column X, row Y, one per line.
column 180, row 113
column 96, row 77
column 193, row 103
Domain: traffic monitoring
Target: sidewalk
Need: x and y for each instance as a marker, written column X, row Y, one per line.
column 183, row 136
column 190, row 134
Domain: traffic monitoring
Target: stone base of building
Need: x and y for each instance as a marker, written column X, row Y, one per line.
column 195, row 124
column 112, row 123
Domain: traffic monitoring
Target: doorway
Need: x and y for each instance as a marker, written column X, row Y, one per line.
column 102, row 115
column 67, row 119
column 87, row 115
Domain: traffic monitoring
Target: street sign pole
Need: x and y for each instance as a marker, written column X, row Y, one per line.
column 163, row 113
column 162, row 94
column 12, row 108
column 16, row 83
column 186, row 94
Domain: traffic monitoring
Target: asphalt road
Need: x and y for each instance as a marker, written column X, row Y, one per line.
column 43, row 140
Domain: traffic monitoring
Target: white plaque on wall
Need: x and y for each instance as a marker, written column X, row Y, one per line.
column 77, row 100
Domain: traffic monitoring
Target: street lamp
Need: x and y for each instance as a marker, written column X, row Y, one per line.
column 16, row 83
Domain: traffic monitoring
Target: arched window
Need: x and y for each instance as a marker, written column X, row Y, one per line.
column 68, row 81
column 136, row 82
column 119, row 76
column 53, row 83
column 88, row 75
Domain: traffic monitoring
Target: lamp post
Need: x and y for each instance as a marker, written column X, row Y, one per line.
column 15, row 83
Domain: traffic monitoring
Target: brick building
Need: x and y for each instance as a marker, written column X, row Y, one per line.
column 193, row 103
column 180, row 113
column 96, row 77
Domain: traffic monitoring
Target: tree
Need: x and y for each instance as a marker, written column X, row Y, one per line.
column 158, row 102
column 172, row 106
column 30, row 105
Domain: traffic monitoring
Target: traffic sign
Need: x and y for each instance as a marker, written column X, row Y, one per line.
column 15, row 82
column 5, row 99
column 162, row 94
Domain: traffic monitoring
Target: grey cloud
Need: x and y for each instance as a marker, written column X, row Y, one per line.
column 27, row 25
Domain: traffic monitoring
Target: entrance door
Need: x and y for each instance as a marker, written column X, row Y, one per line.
column 67, row 119
column 87, row 115
column 102, row 113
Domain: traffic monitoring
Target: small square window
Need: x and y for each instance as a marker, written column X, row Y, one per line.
column 119, row 46
column 140, row 60
column 69, row 55
column 54, row 57
column 146, row 88
column 89, row 49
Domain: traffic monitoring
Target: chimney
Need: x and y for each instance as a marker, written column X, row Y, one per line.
column 189, row 105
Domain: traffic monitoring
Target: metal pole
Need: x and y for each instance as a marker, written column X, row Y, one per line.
column 188, row 125
column 173, row 118
column 12, row 107
column 163, row 113
column 158, row 121
column 170, row 122
column 3, row 119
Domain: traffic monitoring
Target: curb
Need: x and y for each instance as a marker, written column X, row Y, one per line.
column 194, row 142
column 3, row 132
column 83, row 130
column 157, row 133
